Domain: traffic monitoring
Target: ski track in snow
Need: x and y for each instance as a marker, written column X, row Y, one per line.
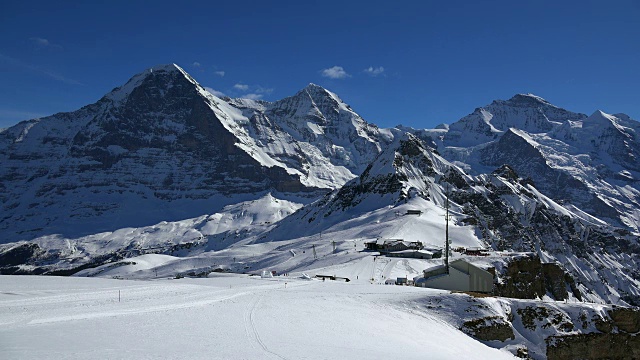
column 252, row 329
column 138, row 311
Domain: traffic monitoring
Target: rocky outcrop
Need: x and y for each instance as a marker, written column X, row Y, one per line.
column 492, row 328
column 557, row 281
column 593, row 346
column 619, row 338
column 534, row 316
column 20, row 254
column 626, row 319
column 528, row 278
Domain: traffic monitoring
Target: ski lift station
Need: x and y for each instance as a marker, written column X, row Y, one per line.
column 392, row 245
column 416, row 254
column 462, row 276
column 403, row 249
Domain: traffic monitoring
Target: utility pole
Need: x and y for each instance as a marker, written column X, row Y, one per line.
column 333, row 242
column 315, row 255
column 446, row 233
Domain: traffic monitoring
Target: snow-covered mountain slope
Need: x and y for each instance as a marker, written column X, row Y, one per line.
column 588, row 162
column 161, row 148
column 314, row 132
column 319, row 117
column 57, row 254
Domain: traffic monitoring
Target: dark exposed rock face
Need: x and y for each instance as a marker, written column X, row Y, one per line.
column 532, row 316
column 619, row 339
column 20, row 254
column 489, row 329
column 167, row 115
column 506, row 172
column 593, row 346
column 626, row 319
column 528, row 278
column 523, row 279
column 557, row 280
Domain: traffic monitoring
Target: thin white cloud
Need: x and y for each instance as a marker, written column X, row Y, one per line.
column 44, row 43
column 261, row 90
column 252, row 96
column 253, row 92
column 38, row 69
column 215, row 92
column 219, row 73
column 374, row 71
column 336, row 72
column 196, row 64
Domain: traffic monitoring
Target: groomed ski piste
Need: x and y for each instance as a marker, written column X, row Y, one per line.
column 223, row 317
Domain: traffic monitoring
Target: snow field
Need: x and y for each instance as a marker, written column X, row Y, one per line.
column 223, row 317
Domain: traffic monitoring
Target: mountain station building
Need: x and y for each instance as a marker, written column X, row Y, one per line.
column 462, row 276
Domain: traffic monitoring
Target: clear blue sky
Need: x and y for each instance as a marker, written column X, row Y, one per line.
column 416, row 63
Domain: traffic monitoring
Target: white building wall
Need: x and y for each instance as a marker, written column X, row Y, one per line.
column 481, row 280
column 456, row 280
column 462, row 277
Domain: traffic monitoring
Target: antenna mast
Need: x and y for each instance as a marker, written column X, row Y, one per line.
column 446, row 233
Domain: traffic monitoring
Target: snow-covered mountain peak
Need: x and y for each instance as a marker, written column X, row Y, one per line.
column 317, row 90
column 166, row 67
column 527, row 100
column 321, row 101
column 321, row 98
column 314, row 87
column 315, row 116
column 600, row 116
column 600, row 121
column 526, row 112
column 167, row 76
